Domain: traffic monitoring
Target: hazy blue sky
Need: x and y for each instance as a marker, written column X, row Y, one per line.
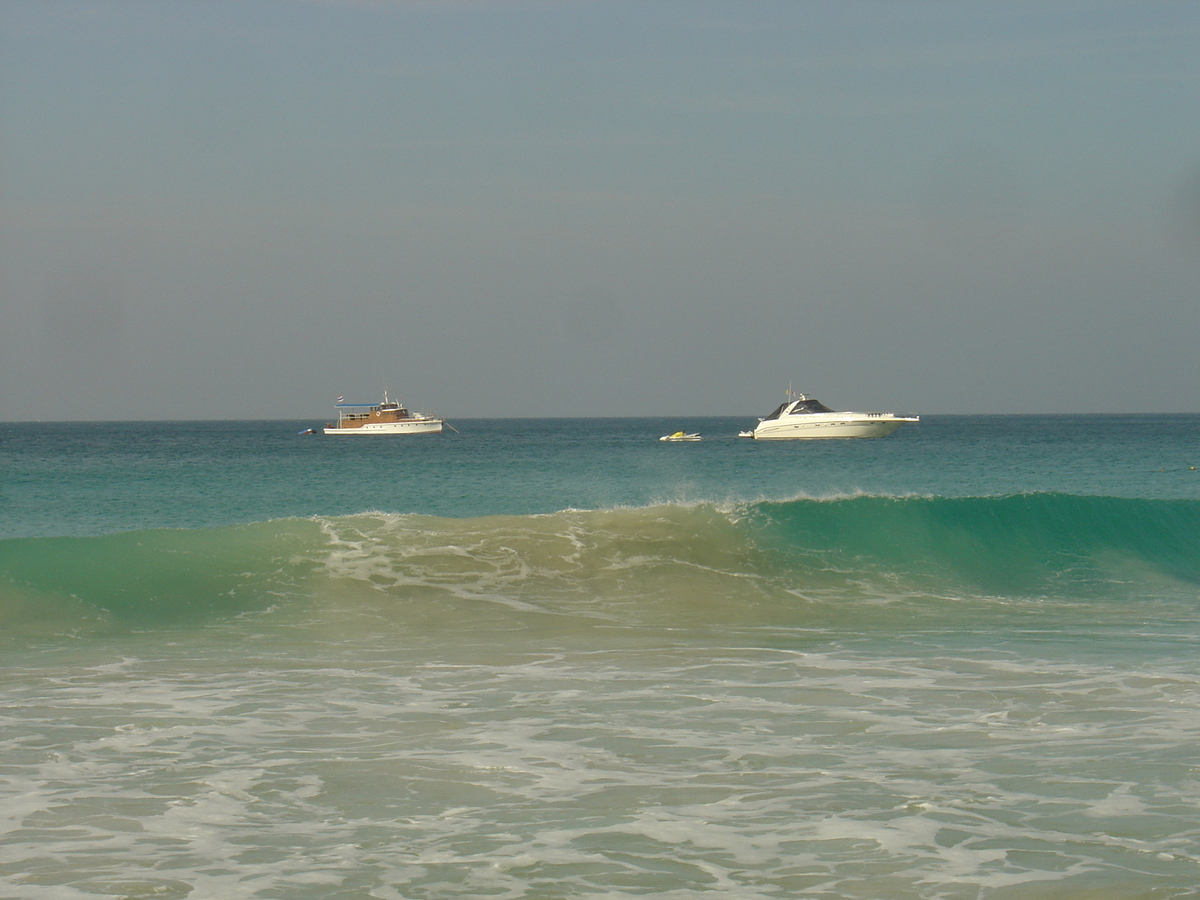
column 242, row 209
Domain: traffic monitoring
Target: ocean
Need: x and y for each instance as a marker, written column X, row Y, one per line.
column 560, row 659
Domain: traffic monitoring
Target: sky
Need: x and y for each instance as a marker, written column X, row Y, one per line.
column 241, row 210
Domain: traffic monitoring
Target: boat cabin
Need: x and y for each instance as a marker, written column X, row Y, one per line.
column 798, row 408
column 352, row 414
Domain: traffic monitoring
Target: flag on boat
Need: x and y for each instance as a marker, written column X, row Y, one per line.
column 341, row 399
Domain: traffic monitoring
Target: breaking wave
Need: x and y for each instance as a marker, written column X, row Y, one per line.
column 672, row 562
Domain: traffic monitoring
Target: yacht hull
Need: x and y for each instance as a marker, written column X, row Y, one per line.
column 428, row 426
column 834, row 428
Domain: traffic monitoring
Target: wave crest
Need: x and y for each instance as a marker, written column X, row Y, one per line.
column 665, row 563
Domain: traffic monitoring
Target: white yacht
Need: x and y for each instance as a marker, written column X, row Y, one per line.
column 388, row 417
column 801, row 417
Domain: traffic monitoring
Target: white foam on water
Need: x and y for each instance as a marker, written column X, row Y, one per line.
column 231, row 764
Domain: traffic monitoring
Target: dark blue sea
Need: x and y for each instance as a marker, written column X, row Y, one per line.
column 552, row 658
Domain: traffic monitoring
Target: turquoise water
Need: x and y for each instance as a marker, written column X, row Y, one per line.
column 556, row 658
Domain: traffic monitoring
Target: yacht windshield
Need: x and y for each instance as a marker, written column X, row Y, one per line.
column 809, row 406
column 775, row 415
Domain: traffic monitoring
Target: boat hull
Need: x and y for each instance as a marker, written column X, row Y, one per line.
column 425, row 426
column 833, row 428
